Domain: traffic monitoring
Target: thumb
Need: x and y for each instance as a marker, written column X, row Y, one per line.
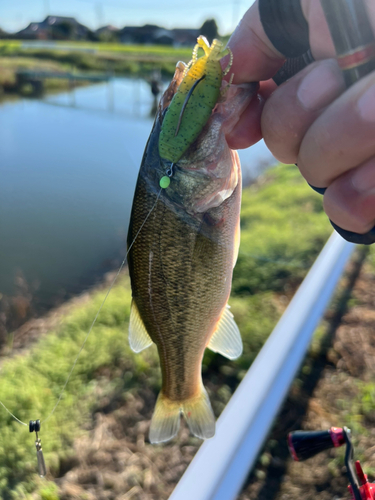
column 254, row 56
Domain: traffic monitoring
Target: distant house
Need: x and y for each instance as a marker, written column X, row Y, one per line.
column 107, row 29
column 34, row 31
column 163, row 37
column 55, row 28
column 151, row 34
column 108, row 32
column 185, row 36
column 68, row 28
column 139, row 34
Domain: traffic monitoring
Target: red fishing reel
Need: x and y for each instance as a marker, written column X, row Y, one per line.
column 306, row 444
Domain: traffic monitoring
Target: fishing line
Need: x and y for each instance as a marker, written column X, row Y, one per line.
column 10, row 413
column 34, row 426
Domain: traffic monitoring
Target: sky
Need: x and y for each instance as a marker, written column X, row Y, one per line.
column 15, row 15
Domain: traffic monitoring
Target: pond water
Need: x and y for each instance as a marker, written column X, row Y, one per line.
column 68, row 167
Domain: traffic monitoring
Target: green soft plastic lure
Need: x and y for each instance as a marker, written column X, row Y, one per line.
column 194, row 100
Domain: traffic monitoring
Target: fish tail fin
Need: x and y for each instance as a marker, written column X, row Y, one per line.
column 197, row 412
column 165, row 420
column 199, row 415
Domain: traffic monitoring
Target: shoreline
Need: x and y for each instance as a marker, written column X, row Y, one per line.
column 29, row 333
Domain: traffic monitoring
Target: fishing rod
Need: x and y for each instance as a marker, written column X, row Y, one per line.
column 349, row 26
column 307, row 444
column 354, row 42
column 352, row 36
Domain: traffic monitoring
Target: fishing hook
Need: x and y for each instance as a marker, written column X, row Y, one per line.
column 170, row 170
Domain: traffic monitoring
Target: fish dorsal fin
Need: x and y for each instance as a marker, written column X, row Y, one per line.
column 227, row 338
column 139, row 339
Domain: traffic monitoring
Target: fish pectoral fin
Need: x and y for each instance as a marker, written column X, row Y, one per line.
column 226, row 339
column 197, row 412
column 139, row 339
column 237, row 238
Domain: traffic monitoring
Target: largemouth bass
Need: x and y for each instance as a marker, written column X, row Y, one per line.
column 183, row 243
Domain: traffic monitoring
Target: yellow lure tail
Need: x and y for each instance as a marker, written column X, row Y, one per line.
column 197, row 412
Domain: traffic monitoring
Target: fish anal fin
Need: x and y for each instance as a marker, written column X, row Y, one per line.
column 139, row 339
column 226, row 339
column 197, row 412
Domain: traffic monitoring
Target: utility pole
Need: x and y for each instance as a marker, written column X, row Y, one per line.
column 235, row 13
column 47, row 7
column 99, row 14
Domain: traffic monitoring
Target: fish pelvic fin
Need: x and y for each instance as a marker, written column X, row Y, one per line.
column 197, row 412
column 226, row 339
column 139, row 339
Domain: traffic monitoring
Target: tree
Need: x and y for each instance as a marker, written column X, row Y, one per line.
column 209, row 29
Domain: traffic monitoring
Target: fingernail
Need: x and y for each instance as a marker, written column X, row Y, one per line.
column 363, row 178
column 366, row 105
column 321, row 85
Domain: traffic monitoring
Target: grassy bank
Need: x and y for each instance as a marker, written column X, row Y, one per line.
column 10, row 65
column 12, row 46
column 117, row 58
column 283, row 230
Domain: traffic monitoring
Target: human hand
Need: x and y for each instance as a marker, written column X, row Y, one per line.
column 311, row 119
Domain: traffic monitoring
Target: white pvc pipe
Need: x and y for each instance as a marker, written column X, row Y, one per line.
column 222, row 464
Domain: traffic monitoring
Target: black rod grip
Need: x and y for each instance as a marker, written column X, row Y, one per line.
column 306, row 444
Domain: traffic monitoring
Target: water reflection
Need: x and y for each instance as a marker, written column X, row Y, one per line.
column 126, row 96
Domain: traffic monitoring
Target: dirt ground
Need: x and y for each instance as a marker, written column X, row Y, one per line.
column 114, row 461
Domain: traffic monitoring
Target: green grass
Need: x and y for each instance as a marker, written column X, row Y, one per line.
column 9, row 66
column 161, row 50
column 118, row 58
column 283, row 230
column 31, row 384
